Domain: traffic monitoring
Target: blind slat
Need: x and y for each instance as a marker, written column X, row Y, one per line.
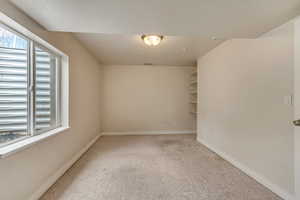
column 13, row 90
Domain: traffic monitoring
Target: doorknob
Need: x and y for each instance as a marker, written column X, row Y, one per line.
column 297, row 122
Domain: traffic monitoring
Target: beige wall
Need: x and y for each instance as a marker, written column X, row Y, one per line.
column 146, row 98
column 24, row 172
column 242, row 89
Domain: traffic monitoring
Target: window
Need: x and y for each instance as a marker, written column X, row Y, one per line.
column 29, row 87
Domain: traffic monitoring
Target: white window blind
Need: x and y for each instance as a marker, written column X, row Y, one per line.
column 13, row 90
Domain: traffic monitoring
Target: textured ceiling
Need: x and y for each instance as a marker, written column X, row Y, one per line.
column 130, row 49
column 206, row 18
column 111, row 26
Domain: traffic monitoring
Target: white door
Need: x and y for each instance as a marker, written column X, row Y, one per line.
column 297, row 106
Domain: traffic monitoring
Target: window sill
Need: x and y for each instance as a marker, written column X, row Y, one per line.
column 23, row 144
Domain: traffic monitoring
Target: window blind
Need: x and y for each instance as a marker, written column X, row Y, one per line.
column 13, row 90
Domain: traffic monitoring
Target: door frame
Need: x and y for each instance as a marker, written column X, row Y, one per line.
column 297, row 106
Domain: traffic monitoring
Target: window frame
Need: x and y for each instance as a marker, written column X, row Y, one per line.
column 8, row 28
column 57, row 89
column 31, row 90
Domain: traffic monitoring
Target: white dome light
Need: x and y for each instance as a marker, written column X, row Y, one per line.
column 152, row 40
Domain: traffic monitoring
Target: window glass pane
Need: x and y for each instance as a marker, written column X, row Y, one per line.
column 13, row 87
column 45, row 95
column 11, row 40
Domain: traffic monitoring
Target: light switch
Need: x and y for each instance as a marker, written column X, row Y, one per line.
column 288, row 100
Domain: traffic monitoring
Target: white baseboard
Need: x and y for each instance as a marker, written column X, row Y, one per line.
column 259, row 178
column 150, row 132
column 51, row 180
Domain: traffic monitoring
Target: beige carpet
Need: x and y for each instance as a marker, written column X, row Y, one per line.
column 167, row 167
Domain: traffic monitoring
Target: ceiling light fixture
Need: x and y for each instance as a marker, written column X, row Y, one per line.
column 152, row 40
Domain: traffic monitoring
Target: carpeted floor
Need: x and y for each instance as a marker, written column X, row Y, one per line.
column 166, row 167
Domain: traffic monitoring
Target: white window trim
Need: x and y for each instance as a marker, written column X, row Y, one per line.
column 29, row 141
column 64, row 97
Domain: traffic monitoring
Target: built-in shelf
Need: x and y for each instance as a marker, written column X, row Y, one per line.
column 193, row 93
